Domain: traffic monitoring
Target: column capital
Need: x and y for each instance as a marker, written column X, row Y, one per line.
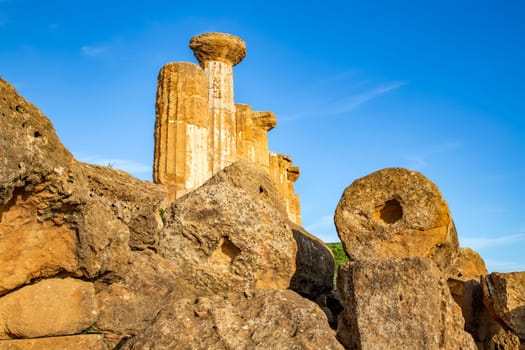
column 219, row 47
column 293, row 173
column 264, row 120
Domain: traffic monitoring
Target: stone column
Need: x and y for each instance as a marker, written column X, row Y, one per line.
column 181, row 155
column 284, row 175
column 245, row 132
column 217, row 53
column 294, row 211
column 262, row 123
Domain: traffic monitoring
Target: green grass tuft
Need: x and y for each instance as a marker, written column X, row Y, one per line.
column 339, row 255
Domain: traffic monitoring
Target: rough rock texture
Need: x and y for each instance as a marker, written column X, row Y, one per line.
column 48, row 308
column 504, row 297
column 502, row 340
column 28, row 197
column 129, row 302
column 468, row 266
column 224, row 238
column 75, row 342
column 270, row 319
column 218, row 47
column 396, row 212
column 398, row 304
column 314, row 265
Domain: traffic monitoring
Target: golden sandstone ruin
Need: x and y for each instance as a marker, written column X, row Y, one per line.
column 199, row 129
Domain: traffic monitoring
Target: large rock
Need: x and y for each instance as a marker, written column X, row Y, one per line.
column 396, row 212
column 223, row 238
column 76, row 342
column 314, row 274
column 129, row 302
column 61, row 216
column 504, row 297
column 271, row 319
column 33, row 242
column 398, row 303
column 48, row 308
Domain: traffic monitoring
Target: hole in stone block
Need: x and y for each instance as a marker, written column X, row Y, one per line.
column 261, row 189
column 391, row 211
column 226, row 252
column 37, row 134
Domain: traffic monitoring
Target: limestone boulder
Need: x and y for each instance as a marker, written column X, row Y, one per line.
column 314, row 274
column 34, row 242
column 270, row 319
column 50, row 307
column 223, row 238
column 504, row 297
column 469, row 265
column 396, row 212
column 27, row 139
column 61, row 216
column 398, row 303
column 77, row 342
column 130, row 301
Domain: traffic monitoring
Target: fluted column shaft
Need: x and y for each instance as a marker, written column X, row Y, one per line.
column 181, row 137
column 217, row 54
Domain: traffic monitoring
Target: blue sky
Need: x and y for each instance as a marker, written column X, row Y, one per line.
column 434, row 86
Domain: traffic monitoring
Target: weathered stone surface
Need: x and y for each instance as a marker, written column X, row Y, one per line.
column 48, row 308
column 396, row 212
column 502, row 340
column 33, row 240
column 271, row 319
column 181, row 129
column 73, row 342
column 504, row 297
column 129, row 302
column 31, row 248
column 478, row 322
column 314, row 265
column 398, row 303
column 61, row 216
column 223, row 239
column 219, row 47
column 468, row 266
column 28, row 138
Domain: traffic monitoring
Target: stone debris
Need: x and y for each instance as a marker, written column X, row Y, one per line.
column 504, row 297
column 269, row 319
column 398, row 303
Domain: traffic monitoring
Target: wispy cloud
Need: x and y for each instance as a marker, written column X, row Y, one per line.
column 340, row 94
column 93, row 50
column 352, row 102
column 420, row 160
column 490, row 242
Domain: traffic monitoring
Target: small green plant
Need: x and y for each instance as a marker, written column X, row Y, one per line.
column 340, row 256
column 162, row 211
column 110, row 164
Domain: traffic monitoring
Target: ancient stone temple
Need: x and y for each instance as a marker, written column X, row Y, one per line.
column 199, row 129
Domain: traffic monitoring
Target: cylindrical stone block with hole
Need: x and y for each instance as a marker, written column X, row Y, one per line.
column 396, row 212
